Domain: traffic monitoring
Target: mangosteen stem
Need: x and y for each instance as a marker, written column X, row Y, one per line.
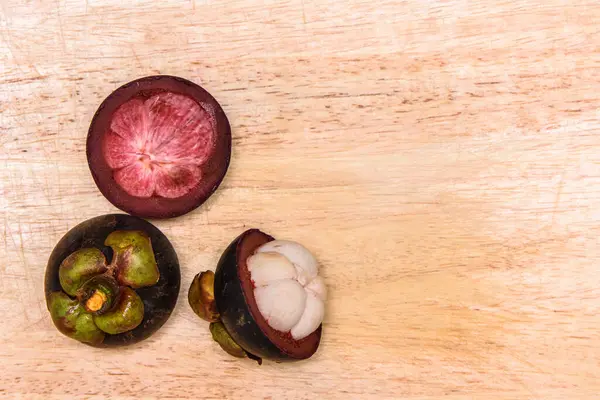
column 96, row 301
column 99, row 294
column 112, row 267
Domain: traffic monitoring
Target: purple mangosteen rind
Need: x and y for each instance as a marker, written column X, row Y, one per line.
column 158, row 300
column 213, row 170
column 233, row 304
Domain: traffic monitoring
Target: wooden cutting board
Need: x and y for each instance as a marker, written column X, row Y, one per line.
column 441, row 158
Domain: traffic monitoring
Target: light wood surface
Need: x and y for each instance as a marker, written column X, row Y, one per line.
column 441, row 158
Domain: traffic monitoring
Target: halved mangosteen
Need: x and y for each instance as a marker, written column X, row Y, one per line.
column 269, row 299
column 112, row 280
column 159, row 146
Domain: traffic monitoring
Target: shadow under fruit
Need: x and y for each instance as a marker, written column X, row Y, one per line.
column 112, row 280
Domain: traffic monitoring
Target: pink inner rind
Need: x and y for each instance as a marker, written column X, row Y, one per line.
column 156, row 146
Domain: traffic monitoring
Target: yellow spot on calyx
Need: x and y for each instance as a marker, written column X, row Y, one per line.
column 96, row 301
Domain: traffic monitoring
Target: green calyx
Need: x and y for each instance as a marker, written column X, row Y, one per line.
column 71, row 319
column 201, row 296
column 221, row 336
column 98, row 299
column 80, row 266
column 224, row 339
column 133, row 258
column 127, row 314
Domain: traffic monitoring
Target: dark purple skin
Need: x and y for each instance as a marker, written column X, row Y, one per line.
column 213, row 171
column 159, row 300
column 239, row 312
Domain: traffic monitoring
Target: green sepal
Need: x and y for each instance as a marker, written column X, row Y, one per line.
column 72, row 320
column 201, row 296
column 126, row 315
column 133, row 258
column 221, row 336
column 79, row 267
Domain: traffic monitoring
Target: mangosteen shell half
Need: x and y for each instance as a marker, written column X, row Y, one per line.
column 239, row 312
column 159, row 300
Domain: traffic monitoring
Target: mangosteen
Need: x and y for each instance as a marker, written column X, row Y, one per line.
column 159, row 146
column 112, row 280
column 267, row 300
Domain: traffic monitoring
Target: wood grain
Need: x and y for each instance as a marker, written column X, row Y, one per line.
column 441, row 157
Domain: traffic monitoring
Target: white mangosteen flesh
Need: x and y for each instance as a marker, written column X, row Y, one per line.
column 285, row 312
column 288, row 290
column 270, row 267
column 302, row 259
column 311, row 318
